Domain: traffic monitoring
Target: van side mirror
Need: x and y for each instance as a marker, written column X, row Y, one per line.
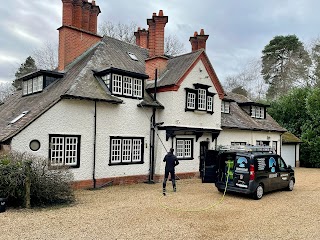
column 289, row 167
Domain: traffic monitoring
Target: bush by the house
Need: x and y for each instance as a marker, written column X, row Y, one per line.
column 47, row 186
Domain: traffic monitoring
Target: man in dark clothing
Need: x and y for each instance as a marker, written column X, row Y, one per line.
column 171, row 161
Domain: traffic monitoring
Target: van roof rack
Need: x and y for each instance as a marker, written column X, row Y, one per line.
column 246, row 148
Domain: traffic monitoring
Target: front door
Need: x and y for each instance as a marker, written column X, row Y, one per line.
column 203, row 149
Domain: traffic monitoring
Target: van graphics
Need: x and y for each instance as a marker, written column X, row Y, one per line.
column 261, row 163
column 273, row 175
column 242, row 184
column 284, row 176
column 272, row 164
column 242, row 164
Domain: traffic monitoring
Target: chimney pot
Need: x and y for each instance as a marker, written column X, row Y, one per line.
column 154, row 14
column 138, row 28
column 202, row 32
column 93, row 2
column 161, row 13
column 195, row 34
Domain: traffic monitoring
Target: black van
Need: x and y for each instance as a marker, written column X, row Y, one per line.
column 250, row 172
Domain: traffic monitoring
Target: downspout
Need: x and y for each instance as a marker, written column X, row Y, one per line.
column 152, row 131
column 94, row 146
column 280, row 153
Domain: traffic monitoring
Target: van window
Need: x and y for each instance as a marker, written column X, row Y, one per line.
column 242, row 164
column 272, row 164
column 261, row 164
column 282, row 165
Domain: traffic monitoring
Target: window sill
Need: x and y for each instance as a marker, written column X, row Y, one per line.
column 128, row 163
column 185, row 158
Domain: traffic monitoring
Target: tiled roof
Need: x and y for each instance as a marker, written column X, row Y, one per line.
column 238, row 118
column 176, row 68
column 288, row 138
column 78, row 82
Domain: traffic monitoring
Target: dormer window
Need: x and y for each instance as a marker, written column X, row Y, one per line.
column 126, row 86
column 35, row 82
column 257, row 112
column 225, row 107
column 123, row 83
column 32, row 85
column 199, row 98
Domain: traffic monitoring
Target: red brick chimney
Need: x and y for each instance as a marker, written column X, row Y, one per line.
column 78, row 31
column 142, row 37
column 155, row 39
column 198, row 41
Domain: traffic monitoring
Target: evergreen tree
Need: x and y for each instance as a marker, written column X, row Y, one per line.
column 285, row 64
column 27, row 67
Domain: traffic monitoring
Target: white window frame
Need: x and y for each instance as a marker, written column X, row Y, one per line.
column 202, row 97
column 137, row 87
column 116, row 84
column 64, row 151
column 126, row 150
column 184, row 148
column 191, row 100
column 25, row 87
column 257, row 112
column 210, row 103
column 225, row 107
column 30, row 84
column 40, row 83
column 127, row 86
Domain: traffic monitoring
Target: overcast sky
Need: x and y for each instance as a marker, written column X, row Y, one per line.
column 238, row 29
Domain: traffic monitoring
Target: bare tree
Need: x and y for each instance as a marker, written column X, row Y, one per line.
column 121, row 31
column 125, row 32
column 6, row 89
column 172, row 46
column 46, row 57
column 248, row 79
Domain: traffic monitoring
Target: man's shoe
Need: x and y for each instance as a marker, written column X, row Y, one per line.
column 174, row 189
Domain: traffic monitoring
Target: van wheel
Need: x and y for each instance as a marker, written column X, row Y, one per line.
column 221, row 190
column 290, row 185
column 258, row 194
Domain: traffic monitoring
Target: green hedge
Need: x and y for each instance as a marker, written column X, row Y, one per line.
column 48, row 187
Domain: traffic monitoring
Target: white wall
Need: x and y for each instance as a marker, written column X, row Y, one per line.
column 290, row 154
column 175, row 103
column 76, row 117
column 250, row 137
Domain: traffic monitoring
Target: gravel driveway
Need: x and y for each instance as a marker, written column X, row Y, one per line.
column 195, row 211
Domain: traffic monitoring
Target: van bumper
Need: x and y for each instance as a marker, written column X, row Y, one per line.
column 231, row 188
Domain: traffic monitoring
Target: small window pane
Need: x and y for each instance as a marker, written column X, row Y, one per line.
column 137, row 88
column 191, row 100
column 127, row 86
column 116, row 84
column 201, row 99
column 25, row 87
column 126, row 150
column 209, row 103
column 30, row 86
column 40, row 83
column 116, row 151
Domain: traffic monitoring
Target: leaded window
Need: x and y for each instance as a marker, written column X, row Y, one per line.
column 191, row 100
column 184, row 148
column 127, row 86
column 116, row 84
column 64, row 151
column 126, row 150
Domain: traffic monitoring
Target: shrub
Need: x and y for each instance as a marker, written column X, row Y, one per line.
column 47, row 186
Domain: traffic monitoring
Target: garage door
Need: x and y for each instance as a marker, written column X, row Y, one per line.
column 288, row 154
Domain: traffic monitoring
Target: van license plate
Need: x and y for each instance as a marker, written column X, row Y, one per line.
column 241, row 176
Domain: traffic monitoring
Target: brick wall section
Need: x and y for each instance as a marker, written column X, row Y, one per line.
column 93, row 23
column 152, row 64
column 79, row 30
column 128, row 180
column 72, row 43
column 142, row 37
column 67, row 12
column 86, row 16
column 77, row 14
column 198, row 41
column 156, row 34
